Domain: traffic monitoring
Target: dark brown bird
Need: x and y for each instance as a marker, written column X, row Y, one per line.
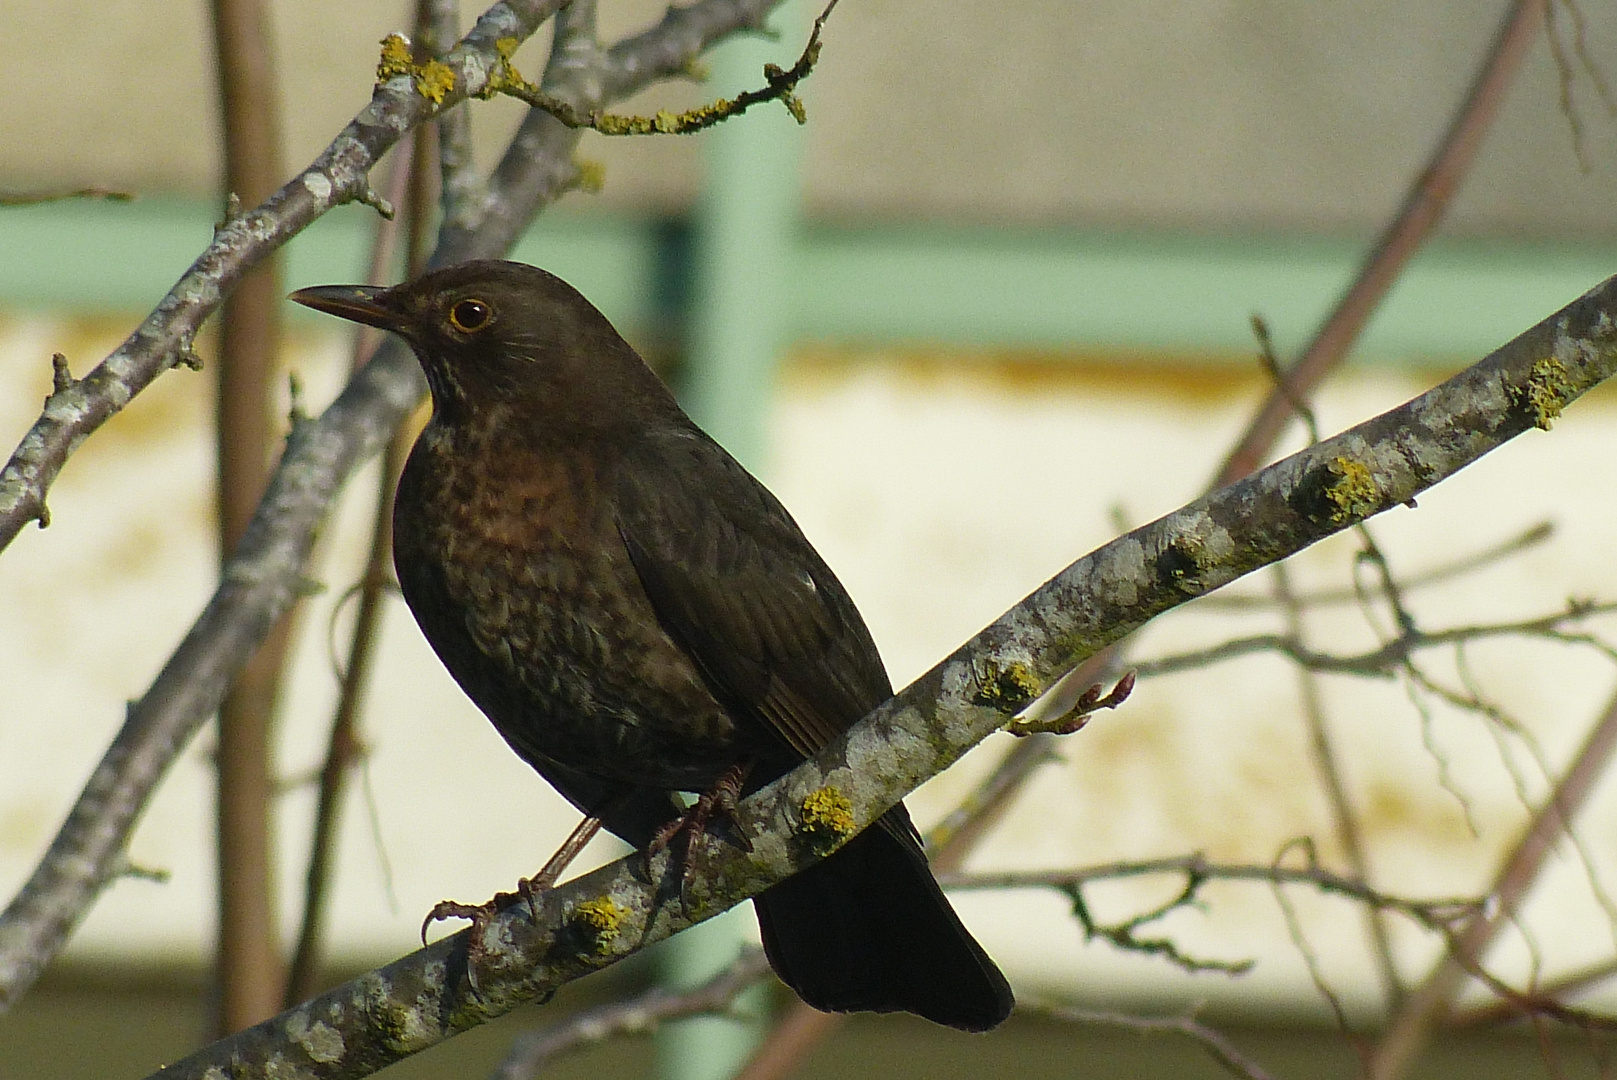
column 638, row 616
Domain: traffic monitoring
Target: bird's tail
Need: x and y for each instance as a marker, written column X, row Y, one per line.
column 869, row 929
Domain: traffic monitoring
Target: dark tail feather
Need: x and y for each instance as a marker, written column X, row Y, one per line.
column 869, row 930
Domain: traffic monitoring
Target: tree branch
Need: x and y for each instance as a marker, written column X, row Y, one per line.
column 636, row 1015
column 1439, row 914
column 621, row 908
column 1217, row 1046
column 1385, row 659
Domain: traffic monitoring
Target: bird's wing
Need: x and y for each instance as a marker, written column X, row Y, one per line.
column 736, row 584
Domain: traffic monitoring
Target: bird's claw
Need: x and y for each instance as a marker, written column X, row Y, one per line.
column 528, row 891
column 715, row 805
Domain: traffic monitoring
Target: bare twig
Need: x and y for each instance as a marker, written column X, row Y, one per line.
column 1496, row 1012
column 34, row 198
column 1427, row 1006
column 636, row 1016
column 1217, row 1046
column 1423, row 208
column 1389, row 658
column 1344, row 820
column 1532, row 536
column 1294, row 930
column 1437, row 914
column 953, row 838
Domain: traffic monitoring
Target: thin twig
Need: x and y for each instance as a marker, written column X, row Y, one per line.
column 1344, row 820
column 1429, row 1003
column 34, row 198
column 1219, row 1048
column 1294, row 930
column 1532, row 536
column 1386, row 660
column 1500, row 1011
column 638, row 1015
column 1434, row 914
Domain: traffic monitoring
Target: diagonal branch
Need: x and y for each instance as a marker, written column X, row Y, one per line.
column 599, row 918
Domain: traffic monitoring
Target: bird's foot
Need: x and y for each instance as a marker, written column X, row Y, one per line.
column 715, row 805
column 529, row 891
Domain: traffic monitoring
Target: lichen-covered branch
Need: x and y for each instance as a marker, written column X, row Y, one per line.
column 262, row 577
column 780, row 86
column 338, row 175
column 597, row 919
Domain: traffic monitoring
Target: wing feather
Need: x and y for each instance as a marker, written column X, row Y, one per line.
column 736, row 584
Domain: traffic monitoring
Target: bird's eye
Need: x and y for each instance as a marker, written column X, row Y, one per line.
column 470, row 316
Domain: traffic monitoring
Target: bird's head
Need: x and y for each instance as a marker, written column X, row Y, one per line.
column 504, row 333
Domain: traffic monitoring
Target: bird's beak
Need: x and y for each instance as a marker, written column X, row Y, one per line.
column 366, row 304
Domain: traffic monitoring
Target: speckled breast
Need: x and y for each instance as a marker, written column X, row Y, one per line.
column 513, row 566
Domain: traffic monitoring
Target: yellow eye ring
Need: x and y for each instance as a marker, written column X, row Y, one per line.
column 470, row 315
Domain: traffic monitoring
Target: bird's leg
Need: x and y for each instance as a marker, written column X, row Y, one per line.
column 545, row 880
column 718, row 802
column 528, row 889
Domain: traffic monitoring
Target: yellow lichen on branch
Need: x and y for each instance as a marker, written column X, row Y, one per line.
column 1353, row 494
column 1548, row 387
column 779, row 86
column 598, row 921
column 432, row 79
column 396, row 59
column 825, row 819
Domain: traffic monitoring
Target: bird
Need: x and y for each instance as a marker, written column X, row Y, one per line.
column 639, row 616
